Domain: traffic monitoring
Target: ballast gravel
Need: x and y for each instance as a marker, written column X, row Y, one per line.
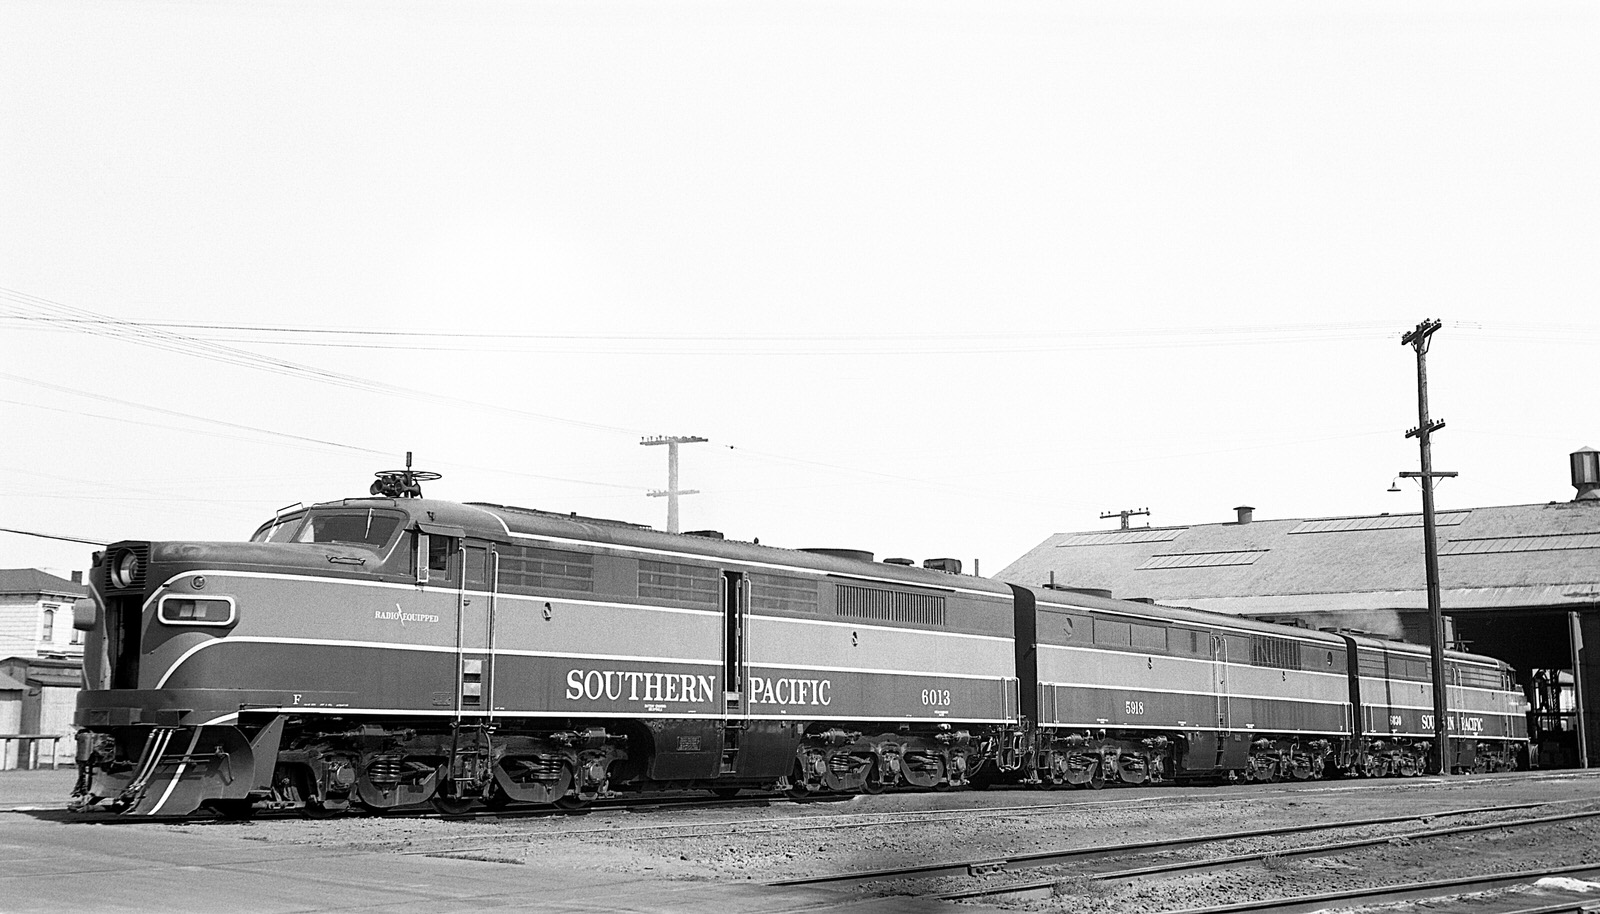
column 774, row 840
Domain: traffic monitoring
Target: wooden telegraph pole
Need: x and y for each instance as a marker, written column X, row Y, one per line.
column 672, row 491
column 1418, row 340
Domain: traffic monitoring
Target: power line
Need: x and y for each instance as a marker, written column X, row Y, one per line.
column 52, row 536
column 106, row 398
column 1025, row 334
column 320, row 442
column 103, row 325
column 1025, row 340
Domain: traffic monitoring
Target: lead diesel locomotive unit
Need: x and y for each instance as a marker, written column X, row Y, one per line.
column 394, row 650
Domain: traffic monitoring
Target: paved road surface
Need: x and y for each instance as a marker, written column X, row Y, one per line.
column 53, row 862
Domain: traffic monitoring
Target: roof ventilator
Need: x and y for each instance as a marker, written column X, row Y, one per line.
column 1586, row 474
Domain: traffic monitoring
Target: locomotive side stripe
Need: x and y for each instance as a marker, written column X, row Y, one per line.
column 566, row 655
column 413, row 588
column 178, row 776
column 171, row 582
column 1131, row 690
column 1205, row 661
column 1378, row 684
column 1301, row 637
column 565, row 600
column 886, row 720
column 1167, row 728
column 942, row 674
column 411, row 712
column 424, row 648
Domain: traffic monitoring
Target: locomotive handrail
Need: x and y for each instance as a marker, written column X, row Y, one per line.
column 30, row 760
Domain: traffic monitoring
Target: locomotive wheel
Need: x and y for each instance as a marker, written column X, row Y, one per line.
column 794, row 786
column 572, row 803
column 450, row 806
column 1098, row 779
column 448, row 801
column 874, row 784
column 724, row 793
column 497, row 798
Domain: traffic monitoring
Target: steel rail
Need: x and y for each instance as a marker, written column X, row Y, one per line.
column 991, row 865
column 1192, row 867
column 1415, row 891
column 1575, row 906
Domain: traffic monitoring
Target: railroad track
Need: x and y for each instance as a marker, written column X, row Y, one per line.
column 990, row 867
column 1146, row 794
column 1432, row 891
column 1255, row 793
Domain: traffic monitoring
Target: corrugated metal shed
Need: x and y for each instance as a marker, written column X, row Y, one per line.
column 1497, row 557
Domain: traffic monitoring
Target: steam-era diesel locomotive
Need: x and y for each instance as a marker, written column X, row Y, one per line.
column 393, row 650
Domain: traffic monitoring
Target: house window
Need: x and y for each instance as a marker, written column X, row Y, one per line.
column 49, row 636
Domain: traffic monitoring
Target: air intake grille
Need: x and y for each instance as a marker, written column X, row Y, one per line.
column 889, row 605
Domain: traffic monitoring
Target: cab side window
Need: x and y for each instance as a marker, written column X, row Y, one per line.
column 439, row 553
column 442, row 559
column 436, row 559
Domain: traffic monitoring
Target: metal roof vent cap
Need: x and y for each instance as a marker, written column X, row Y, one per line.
column 1246, row 513
column 1586, row 474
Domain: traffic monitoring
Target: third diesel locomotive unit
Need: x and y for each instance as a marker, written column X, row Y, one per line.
column 394, row 650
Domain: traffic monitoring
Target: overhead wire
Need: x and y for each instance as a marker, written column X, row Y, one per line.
column 98, row 324
column 320, row 442
column 53, row 536
column 163, row 335
column 908, row 343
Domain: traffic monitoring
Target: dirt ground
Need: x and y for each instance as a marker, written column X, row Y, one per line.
column 780, row 840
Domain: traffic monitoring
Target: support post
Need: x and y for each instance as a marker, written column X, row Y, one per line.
column 1418, row 340
column 671, row 491
column 1575, row 636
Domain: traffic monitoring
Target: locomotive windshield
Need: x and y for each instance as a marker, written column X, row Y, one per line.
column 279, row 529
column 346, row 526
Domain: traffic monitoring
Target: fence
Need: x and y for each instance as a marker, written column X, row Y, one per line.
column 29, row 757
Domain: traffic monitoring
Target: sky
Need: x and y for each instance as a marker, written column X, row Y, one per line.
column 932, row 278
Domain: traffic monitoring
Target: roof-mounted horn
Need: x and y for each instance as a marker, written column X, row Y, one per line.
column 404, row 483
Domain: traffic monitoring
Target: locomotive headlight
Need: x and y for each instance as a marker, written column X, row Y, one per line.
column 126, row 570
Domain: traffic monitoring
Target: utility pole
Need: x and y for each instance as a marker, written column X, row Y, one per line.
column 671, row 491
column 1126, row 513
column 1418, row 340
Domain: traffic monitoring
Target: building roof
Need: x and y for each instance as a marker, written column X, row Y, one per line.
column 44, row 671
column 8, row 684
column 1496, row 557
column 32, row 580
